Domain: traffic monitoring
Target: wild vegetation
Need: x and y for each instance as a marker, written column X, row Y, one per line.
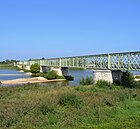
column 91, row 106
column 137, row 76
column 86, row 81
column 127, row 80
column 6, row 66
column 35, row 68
column 76, row 68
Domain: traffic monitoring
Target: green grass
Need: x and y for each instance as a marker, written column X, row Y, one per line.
column 76, row 68
column 137, row 76
column 7, row 66
column 81, row 107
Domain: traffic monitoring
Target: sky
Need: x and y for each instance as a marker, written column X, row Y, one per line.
column 61, row 28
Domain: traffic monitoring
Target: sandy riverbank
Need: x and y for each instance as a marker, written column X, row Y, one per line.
column 29, row 80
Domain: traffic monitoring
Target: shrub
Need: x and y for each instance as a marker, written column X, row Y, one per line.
column 36, row 74
column 35, row 68
column 45, row 109
column 81, row 88
column 127, row 79
column 69, row 78
column 60, row 77
column 103, row 84
column 25, row 70
column 86, row 81
column 136, row 84
column 70, row 100
column 137, row 77
column 50, row 75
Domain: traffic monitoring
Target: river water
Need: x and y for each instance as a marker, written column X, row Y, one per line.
column 77, row 74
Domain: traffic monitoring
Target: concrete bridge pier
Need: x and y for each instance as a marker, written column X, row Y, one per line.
column 107, row 75
column 117, row 75
column 65, row 71
column 43, row 69
column 27, row 67
column 61, row 71
column 57, row 69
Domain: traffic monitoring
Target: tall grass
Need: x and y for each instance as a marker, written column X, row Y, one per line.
column 31, row 106
column 86, row 81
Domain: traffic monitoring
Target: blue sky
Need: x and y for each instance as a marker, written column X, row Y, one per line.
column 57, row 28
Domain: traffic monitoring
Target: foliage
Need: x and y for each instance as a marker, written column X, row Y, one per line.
column 35, row 68
column 25, row 70
column 69, row 78
column 70, row 100
column 137, row 77
column 76, row 68
column 103, row 84
column 60, row 77
column 50, row 75
column 36, row 74
column 8, row 61
column 45, row 109
column 127, row 79
column 136, row 84
column 86, row 81
column 31, row 107
column 7, row 66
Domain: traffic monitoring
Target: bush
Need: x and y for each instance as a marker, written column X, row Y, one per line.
column 127, row 79
column 86, row 81
column 45, row 109
column 60, row 77
column 50, row 75
column 70, row 100
column 136, row 84
column 69, row 78
column 137, row 77
column 25, row 70
column 36, row 74
column 103, row 84
column 35, row 68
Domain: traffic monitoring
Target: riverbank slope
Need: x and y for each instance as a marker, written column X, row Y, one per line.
column 31, row 106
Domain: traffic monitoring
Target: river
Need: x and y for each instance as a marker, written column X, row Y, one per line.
column 77, row 74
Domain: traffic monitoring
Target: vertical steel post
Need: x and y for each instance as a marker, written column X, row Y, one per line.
column 129, row 61
column 109, row 62
column 60, row 62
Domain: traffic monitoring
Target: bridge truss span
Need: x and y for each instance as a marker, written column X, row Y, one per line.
column 112, row 61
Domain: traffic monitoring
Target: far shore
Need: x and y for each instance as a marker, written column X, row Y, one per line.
column 29, row 81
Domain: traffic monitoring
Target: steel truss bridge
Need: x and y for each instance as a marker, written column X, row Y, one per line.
column 112, row 61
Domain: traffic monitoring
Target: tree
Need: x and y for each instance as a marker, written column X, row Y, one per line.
column 35, row 68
